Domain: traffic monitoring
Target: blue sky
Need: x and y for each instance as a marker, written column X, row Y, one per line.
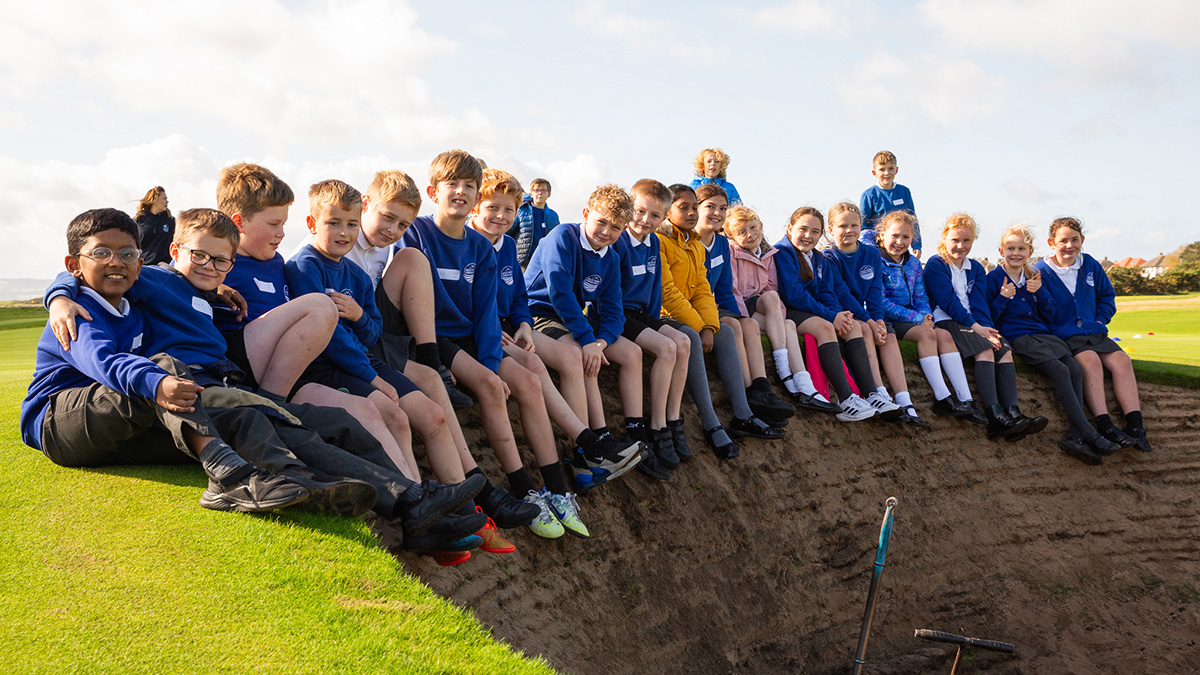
column 1013, row 110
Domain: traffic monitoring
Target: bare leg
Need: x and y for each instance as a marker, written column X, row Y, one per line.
column 628, row 357
column 408, row 282
column 752, row 336
column 526, row 387
column 281, row 343
column 769, row 316
column 560, row 412
column 795, row 354
column 493, row 407
column 429, row 419
column 868, row 336
column 367, row 414
column 945, row 342
column 1093, row 382
column 1123, row 379
column 567, row 361
column 893, row 364
column 663, row 349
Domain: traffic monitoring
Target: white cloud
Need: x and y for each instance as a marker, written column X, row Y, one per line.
column 798, row 16
column 1025, row 189
column 648, row 36
column 946, row 90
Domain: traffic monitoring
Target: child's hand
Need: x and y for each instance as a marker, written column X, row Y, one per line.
column 917, row 253
column 235, row 301
column 1009, row 289
column 843, row 323
column 506, row 339
column 880, row 330
column 347, row 308
column 387, row 389
column 706, row 339
column 177, row 394
column 593, row 358
column 62, row 320
column 990, row 334
column 524, row 337
column 1033, row 283
column 927, row 321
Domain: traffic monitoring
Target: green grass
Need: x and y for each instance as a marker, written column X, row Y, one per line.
column 1169, row 328
column 119, row 570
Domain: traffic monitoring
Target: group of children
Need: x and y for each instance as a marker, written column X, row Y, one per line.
column 300, row 382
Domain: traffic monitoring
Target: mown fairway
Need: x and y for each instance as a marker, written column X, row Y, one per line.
column 1173, row 320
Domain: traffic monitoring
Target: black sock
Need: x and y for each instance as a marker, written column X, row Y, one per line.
column 1104, row 423
column 759, row 384
column 488, row 488
column 552, row 476
column 1006, row 384
column 1133, row 420
column 635, row 422
column 588, row 440
column 427, row 355
column 831, row 362
column 521, row 482
column 985, row 383
column 860, row 366
column 601, row 431
column 219, row 460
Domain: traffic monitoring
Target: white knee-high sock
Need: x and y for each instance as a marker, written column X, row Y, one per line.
column 782, row 365
column 952, row 364
column 931, row 366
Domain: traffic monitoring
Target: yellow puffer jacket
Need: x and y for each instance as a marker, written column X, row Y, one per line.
column 687, row 297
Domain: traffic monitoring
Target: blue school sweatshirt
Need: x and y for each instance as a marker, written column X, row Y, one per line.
column 717, row 261
column 563, row 279
column 861, row 274
column 1023, row 314
column 942, row 295
column 108, row 350
column 641, row 273
column 1089, row 310
column 261, row 282
column 816, row 296
column 512, row 301
column 875, row 203
column 310, row 272
column 464, row 285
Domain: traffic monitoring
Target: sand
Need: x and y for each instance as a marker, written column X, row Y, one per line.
column 762, row 564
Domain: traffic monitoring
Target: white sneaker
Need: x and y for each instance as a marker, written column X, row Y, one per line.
column 887, row 408
column 855, row 409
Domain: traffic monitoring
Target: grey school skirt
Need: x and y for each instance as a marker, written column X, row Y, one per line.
column 1039, row 348
column 969, row 342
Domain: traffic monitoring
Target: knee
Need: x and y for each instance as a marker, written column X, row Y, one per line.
column 825, row 333
column 529, row 383
column 683, row 347
column 411, row 261
column 394, row 417
column 750, row 327
column 433, row 418
column 492, row 388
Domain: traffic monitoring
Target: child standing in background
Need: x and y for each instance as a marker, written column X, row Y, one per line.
column 711, row 165
column 884, row 197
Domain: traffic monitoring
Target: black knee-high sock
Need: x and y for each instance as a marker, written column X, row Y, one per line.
column 985, row 382
column 552, row 476
column 860, row 366
column 1060, row 376
column 831, row 362
column 1006, row 384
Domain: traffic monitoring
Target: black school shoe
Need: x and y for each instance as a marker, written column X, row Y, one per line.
column 651, row 467
column 1000, row 424
column 810, row 402
column 453, row 528
column 723, row 452
column 764, row 403
column 249, row 489
column 332, row 494
column 426, row 502
column 1139, row 439
column 1036, row 424
column 972, row 413
column 775, row 422
column 458, row 398
column 912, row 419
column 680, row 440
column 1119, row 437
column 507, row 511
column 1103, row 447
column 952, row 407
column 753, row 427
column 1080, row 450
column 663, row 447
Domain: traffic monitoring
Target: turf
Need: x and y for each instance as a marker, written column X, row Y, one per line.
column 1169, row 328
column 119, row 570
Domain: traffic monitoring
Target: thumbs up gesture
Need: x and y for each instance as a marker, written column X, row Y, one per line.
column 1033, row 283
column 1009, row 289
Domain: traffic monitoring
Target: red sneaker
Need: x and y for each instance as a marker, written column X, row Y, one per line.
column 492, row 541
column 450, row 558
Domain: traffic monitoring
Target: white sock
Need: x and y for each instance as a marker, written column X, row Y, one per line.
column 902, row 399
column 933, row 373
column 952, row 364
column 882, row 391
column 782, row 366
column 804, row 384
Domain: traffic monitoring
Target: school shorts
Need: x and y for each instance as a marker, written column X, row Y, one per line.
column 751, row 305
column 638, row 321
column 799, row 316
column 901, row 328
column 235, row 350
column 552, row 327
column 330, row 375
column 726, row 314
column 1101, row 344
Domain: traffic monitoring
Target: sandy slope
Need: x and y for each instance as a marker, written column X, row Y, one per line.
column 762, row 564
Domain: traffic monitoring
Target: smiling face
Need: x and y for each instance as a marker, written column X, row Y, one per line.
column 648, row 214
column 896, row 239
column 958, row 244
column 1066, row 244
column 683, row 211
column 261, row 232
column 844, row 230
column 805, row 233
column 494, row 216
column 600, row 228
column 712, row 213
column 383, row 223
column 335, row 229
column 112, row 278
column 885, row 174
column 747, row 234
column 1014, row 252
column 455, row 199
column 204, row 277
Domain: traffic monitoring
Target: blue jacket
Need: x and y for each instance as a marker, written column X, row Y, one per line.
column 108, row 350
column 527, row 231
column 817, row 296
column 876, row 203
column 311, row 272
column 641, row 273
column 904, row 297
column 861, row 273
column 563, row 279
column 1090, row 309
column 942, row 295
column 261, row 282
column 464, row 285
column 730, row 190
column 512, row 301
column 1023, row 314
column 717, row 261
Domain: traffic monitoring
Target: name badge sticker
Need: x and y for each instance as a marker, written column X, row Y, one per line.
column 639, row 270
column 716, row 262
column 137, row 342
column 202, row 306
column 264, row 286
column 898, row 202
column 449, row 274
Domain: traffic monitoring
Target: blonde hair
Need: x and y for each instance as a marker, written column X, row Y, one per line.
column 335, row 192
column 497, row 182
column 206, row 221
column 249, row 188
column 883, row 157
column 738, row 216
column 648, row 187
column 894, row 218
column 395, row 186
column 455, row 165
column 957, row 221
column 722, row 158
column 840, row 208
column 1026, row 236
column 1060, row 223
column 612, row 201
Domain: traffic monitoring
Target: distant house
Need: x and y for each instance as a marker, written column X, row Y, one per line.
column 1106, row 263
column 1154, row 266
column 1130, row 263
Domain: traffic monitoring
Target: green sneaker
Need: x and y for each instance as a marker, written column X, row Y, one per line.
column 566, row 511
column 545, row 525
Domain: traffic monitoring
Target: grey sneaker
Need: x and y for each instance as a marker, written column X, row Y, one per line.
column 251, row 489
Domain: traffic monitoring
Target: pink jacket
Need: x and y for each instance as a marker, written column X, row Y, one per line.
column 752, row 275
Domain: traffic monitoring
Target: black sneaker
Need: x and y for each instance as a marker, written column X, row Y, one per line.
column 508, row 511
column 764, row 402
column 450, row 529
column 726, row 451
column 458, row 398
column 424, row 503
column 811, row 402
column 1119, row 437
column 617, row 449
column 680, row 440
column 332, row 494
column 650, row 466
column 753, row 427
column 250, row 489
column 1139, row 439
column 663, row 447
column 1079, row 449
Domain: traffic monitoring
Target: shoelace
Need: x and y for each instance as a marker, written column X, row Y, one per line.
column 544, row 516
column 570, row 506
column 491, row 524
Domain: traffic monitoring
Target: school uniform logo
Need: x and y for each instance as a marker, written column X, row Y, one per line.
column 1090, row 280
column 469, row 273
column 866, row 273
column 970, row 285
column 651, row 264
column 506, row 275
column 592, row 282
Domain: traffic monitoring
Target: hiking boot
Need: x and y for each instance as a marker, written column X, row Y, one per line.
column 1139, row 439
column 452, row 532
column 1119, row 437
column 332, row 494
column 566, row 510
column 753, row 427
column 1000, row 424
column 856, row 409
column 506, row 511
column 492, row 541
column 544, row 524
column 425, row 503
column 726, row 451
column 458, row 398
column 1036, row 424
column 764, row 402
column 651, row 467
column 250, row 489
column 663, row 447
column 679, row 439
column 450, row 558
column 887, row 408
column 1079, row 449
column 815, row 402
